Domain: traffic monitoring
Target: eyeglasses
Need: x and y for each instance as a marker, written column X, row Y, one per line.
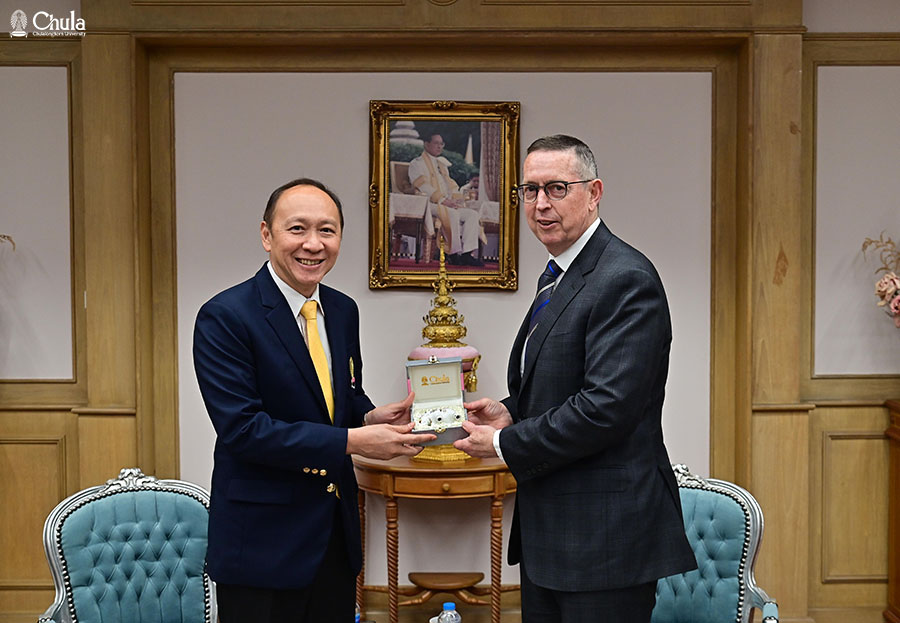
column 553, row 190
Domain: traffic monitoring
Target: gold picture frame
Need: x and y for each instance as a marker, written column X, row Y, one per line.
column 443, row 173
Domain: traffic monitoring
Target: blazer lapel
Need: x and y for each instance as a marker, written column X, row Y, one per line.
column 282, row 321
column 513, row 377
column 571, row 283
column 565, row 291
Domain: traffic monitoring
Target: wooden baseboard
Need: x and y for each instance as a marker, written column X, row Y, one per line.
column 18, row 617
column 847, row 615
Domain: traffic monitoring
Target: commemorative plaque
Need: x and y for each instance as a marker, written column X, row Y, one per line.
column 438, row 406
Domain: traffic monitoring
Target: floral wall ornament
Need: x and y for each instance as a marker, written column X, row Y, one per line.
column 887, row 289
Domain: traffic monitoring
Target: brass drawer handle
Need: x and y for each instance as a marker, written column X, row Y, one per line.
column 445, row 487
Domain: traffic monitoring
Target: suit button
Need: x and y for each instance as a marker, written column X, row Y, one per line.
column 322, row 472
column 305, row 470
column 315, row 471
column 330, row 487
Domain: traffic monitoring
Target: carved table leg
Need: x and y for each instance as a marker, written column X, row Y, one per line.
column 361, row 578
column 393, row 540
column 496, row 558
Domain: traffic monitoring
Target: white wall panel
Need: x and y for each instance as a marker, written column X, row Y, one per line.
column 857, row 196
column 238, row 136
column 35, row 279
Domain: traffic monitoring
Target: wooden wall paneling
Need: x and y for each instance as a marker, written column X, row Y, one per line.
column 777, row 12
column 777, row 261
column 780, row 484
column 847, row 615
column 162, row 377
column 818, row 51
column 39, row 463
column 731, row 251
column 106, row 444
column 843, row 585
column 892, row 613
column 109, row 219
column 450, row 51
column 79, row 267
column 409, row 15
column 729, row 392
column 24, row 393
column 777, row 430
column 854, row 478
column 808, row 214
column 153, row 425
column 34, row 481
column 848, row 507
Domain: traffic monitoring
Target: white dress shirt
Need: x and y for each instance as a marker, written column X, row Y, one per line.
column 295, row 301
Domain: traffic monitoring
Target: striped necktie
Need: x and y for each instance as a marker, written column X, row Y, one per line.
column 544, row 290
column 317, row 353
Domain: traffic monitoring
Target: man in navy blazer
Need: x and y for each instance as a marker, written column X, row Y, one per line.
column 598, row 515
column 284, row 533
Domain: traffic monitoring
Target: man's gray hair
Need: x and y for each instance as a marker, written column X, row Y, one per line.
column 564, row 142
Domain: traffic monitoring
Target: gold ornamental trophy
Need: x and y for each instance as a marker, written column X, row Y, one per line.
column 438, row 371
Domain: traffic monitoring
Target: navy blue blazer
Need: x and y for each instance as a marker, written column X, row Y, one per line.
column 272, row 509
column 597, row 505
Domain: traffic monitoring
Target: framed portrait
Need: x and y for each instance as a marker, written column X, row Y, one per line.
column 443, row 176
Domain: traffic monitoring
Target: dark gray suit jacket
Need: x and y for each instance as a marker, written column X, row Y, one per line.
column 597, row 505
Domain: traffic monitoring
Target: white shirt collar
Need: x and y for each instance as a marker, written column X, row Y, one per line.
column 565, row 259
column 295, row 299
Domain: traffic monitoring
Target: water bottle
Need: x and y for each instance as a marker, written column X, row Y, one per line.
column 357, row 619
column 449, row 615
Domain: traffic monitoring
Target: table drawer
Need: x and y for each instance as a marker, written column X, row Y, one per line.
column 470, row 485
column 370, row 481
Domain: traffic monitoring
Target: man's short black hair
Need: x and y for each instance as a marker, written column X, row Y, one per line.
column 564, row 142
column 302, row 181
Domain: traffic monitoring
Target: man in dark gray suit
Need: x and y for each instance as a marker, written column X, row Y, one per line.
column 598, row 518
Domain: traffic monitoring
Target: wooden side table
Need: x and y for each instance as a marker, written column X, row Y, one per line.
column 405, row 478
column 892, row 614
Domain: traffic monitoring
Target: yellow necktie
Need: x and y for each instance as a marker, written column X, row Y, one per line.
column 314, row 343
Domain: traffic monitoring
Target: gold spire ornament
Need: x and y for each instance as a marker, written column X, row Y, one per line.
column 444, row 327
column 443, row 324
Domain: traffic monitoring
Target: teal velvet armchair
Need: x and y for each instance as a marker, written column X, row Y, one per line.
column 724, row 525
column 130, row 551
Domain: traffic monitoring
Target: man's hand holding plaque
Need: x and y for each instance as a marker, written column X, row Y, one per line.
column 387, row 432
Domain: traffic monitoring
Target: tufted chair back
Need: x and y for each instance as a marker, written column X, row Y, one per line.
column 131, row 551
column 724, row 525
